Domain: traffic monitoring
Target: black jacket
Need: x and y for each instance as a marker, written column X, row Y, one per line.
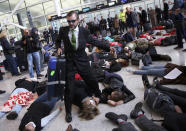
column 35, row 113
column 84, row 37
column 5, row 45
column 31, row 45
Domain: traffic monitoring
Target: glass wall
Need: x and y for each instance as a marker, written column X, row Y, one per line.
column 42, row 9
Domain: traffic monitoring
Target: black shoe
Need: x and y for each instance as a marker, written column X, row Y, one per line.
column 1, row 92
column 129, row 98
column 114, row 117
column 18, row 74
column 68, row 117
column 156, row 82
column 136, row 110
column 146, row 81
column 39, row 75
column 178, row 47
column 12, row 115
column 184, row 50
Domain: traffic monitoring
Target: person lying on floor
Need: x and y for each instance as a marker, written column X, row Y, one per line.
column 39, row 113
column 87, row 104
column 140, row 119
column 24, row 94
column 170, row 103
column 162, row 71
column 116, row 93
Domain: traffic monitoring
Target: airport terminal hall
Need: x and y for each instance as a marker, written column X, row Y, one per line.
column 92, row 65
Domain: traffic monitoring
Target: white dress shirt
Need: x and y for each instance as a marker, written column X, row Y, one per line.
column 76, row 32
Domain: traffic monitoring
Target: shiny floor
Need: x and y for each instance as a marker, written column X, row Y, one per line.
column 100, row 123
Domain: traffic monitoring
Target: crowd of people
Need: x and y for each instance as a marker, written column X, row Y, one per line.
column 93, row 52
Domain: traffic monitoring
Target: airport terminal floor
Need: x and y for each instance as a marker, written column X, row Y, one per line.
column 99, row 123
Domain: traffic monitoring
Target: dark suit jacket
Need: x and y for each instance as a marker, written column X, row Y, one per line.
column 84, row 37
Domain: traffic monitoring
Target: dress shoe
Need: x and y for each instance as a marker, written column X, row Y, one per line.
column 178, row 47
column 68, row 118
column 1, row 92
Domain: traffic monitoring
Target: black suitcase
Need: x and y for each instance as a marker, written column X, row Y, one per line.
column 56, row 77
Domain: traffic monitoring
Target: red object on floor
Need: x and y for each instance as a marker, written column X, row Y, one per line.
column 78, row 77
column 158, row 28
column 1, row 65
column 113, row 43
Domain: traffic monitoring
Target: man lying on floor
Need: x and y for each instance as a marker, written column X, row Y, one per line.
column 116, row 92
column 38, row 114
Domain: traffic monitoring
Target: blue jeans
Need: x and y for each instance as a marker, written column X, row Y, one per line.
column 16, row 108
column 30, row 63
column 44, row 99
column 12, row 63
column 152, row 70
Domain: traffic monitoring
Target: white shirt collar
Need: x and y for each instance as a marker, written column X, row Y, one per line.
column 76, row 29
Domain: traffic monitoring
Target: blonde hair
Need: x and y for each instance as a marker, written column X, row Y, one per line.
column 88, row 111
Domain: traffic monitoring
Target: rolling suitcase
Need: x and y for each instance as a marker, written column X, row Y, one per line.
column 56, row 77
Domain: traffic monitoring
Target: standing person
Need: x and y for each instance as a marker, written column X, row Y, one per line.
column 132, row 20
column 110, row 23
column 103, row 24
column 75, row 39
column 7, row 50
column 152, row 17
column 51, row 34
column 31, row 49
column 122, row 20
column 158, row 14
column 165, row 10
column 143, row 16
column 116, row 24
column 46, row 35
column 179, row 24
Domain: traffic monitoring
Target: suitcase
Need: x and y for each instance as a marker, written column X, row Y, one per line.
column 56, row 77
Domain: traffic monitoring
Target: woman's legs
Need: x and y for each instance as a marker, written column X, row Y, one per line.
column 151, row 67
column 154, row 72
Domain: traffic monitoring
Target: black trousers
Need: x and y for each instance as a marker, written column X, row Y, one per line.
column 175, row 121
column 180, row 35
column 142, row 122
column 83, row 68
column 147, row 125
column 179, row 97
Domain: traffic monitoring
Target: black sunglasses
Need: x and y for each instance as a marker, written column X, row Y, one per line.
column 71, row 21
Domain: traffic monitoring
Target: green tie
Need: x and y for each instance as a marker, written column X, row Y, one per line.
column 73, row 40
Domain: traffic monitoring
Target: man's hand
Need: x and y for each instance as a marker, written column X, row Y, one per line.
column 59, row 51
column 112, row 103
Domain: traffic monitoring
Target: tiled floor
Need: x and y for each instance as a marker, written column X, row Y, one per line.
column 100, row 123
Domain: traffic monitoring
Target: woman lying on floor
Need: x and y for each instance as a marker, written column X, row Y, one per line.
column 24, row 93
column 87, row 104
column 161, row 71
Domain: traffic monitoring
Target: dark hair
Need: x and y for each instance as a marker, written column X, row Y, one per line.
column 71, row 13
column 118, row 95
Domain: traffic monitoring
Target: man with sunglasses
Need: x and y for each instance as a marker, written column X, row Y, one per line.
column 75, row 39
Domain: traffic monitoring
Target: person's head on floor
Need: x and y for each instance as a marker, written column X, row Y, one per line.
column 29, row 127
column 116, row 96
column 89, row 109
column 123, row 62
column 73, row 19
